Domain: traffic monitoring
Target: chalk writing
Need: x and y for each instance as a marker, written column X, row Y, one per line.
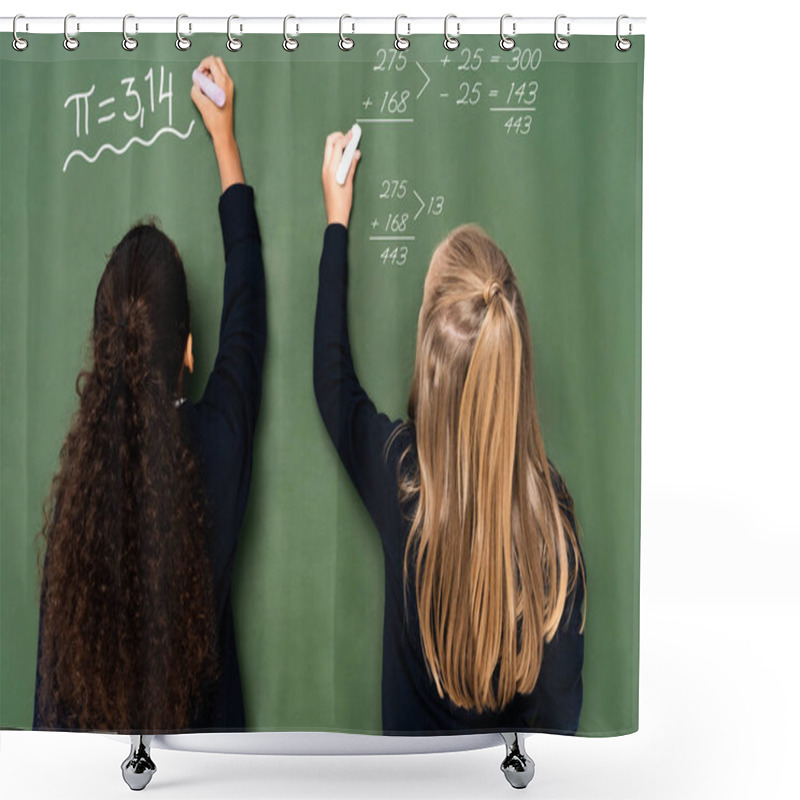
column 478, row 81
column 406, row 205
column 142, row 103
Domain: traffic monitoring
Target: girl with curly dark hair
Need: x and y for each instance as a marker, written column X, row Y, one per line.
column 141, row 523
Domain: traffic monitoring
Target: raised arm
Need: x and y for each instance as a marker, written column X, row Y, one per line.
column 219, row 121
column 231, row 400
column 358, row 431
column 234, row 386
column 235, row 383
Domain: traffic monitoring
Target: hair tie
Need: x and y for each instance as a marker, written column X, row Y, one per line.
column 490, row 291
column 122, row 323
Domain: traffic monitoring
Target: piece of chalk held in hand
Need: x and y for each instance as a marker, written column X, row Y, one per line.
column 210, row 89
column 347, row 156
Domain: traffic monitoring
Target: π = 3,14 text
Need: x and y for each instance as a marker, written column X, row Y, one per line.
column 145, row 102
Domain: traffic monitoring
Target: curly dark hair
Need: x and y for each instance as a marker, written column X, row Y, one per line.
column 128, row 615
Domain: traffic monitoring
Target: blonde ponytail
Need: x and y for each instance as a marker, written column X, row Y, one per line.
column 491, row 546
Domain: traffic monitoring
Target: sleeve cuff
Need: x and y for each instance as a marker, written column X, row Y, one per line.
column 335, row 235
column 237, row 215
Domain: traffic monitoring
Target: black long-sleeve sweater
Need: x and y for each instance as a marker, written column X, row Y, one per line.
column 410, row 702
column 220, row 428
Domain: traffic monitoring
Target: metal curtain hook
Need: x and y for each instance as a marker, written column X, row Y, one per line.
column 70, row 42
column 181, row 42
column 400, row 42
column 233, row 44
column 451, row 42
column 622, row 44
column 128, row 42
column 290, row 44
column 506, row 42
column 345, row 43
column 18, row 43
column 560, row 42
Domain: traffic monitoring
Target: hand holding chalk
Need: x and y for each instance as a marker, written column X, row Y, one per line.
column 212, row 93
column 338, row 168
column 347, row 156
column 210, row 89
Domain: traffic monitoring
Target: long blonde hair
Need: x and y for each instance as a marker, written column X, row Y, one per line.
column 495, row 556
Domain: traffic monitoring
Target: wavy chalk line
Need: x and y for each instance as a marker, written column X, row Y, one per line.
column 142, row 142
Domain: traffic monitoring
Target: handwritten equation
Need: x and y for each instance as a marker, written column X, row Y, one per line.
column 503, row 81
column 400, row 209
column 473, row 80
column 141, row 105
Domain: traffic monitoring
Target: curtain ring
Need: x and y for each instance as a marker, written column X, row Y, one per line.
column 128, row 42
column 400, row 42
column 70, row 42
column 506, row 42
column 182, row 43
column 345, row 43
column 18, row 43
column 290, row 44
column 622, row 44
column 233, row 44
column 560, row 42
column 451, row 42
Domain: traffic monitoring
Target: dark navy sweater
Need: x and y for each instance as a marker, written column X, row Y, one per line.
column 410, row 702
column 220, row 427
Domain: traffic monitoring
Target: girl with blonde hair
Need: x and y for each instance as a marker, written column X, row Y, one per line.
column 485, row 582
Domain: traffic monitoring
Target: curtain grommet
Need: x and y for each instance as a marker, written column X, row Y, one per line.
column 401, row 42
column 507, row 42
column 129, row 43
column 18, row 43
column 290, row 43
column 345, row 42
column 181, row 42
column 622, row 44
column 233, row 44
column 70, row 42
column 560, row 43
column 451, row 42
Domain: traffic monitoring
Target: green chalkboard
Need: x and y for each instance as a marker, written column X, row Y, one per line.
column 542, row 148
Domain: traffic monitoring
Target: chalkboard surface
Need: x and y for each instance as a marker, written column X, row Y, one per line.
column 542, row 148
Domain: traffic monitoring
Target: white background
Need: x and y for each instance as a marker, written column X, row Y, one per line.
column 720, row 600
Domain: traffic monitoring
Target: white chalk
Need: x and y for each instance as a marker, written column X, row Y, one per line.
column 210, row 89
column 347, row 156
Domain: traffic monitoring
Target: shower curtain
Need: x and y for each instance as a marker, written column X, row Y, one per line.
column 541, row 148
